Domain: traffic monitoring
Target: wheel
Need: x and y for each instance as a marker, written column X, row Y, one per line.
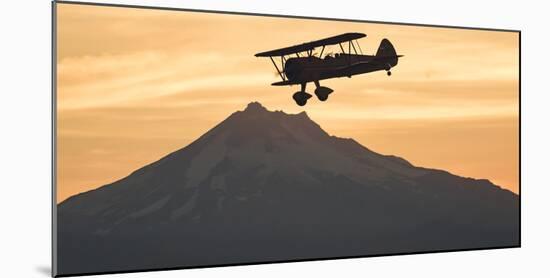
column 322, row 93
column 301, row 98
column 322, row 97
column 388, row 73
column 301, row 102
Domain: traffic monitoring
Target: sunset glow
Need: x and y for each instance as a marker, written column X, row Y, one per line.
column 136, row 84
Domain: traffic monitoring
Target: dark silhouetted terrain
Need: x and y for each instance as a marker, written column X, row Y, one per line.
column 269, row 186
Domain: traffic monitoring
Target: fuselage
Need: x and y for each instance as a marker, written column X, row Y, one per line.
column 312, row 68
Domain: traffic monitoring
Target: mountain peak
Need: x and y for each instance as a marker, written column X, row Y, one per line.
column 304, row 115
column 255, row 107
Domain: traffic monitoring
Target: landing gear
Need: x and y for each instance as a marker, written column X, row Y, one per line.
column 388, row 68
column 322, row 92
column 301, row 98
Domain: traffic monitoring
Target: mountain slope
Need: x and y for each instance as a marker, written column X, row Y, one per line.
column 268, row 186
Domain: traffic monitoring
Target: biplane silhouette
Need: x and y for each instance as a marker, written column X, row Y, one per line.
column 308, row 66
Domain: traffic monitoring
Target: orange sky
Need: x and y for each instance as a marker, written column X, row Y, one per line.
column 136, row 84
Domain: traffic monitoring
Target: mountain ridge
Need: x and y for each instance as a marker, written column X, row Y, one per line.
column 253, row 108
column 257, row 107
column 266, row 186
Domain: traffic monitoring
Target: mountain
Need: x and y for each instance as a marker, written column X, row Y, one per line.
column 269, row 186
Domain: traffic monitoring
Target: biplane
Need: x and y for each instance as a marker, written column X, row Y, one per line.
column 307, row 66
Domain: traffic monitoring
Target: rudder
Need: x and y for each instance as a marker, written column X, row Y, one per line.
column 386, row 49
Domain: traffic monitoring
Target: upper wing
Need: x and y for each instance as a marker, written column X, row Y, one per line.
column 311, row 45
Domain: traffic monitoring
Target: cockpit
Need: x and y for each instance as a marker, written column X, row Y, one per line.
column 329, row 56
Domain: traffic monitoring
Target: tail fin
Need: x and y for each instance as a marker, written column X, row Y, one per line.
column 386, row 50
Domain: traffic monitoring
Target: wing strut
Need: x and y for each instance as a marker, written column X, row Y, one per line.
column 322, row 49
column 349, row 52
column 359, row 45
column 353, row 45
column 278, row 71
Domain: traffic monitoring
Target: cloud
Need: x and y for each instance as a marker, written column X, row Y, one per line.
column 123, row 79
